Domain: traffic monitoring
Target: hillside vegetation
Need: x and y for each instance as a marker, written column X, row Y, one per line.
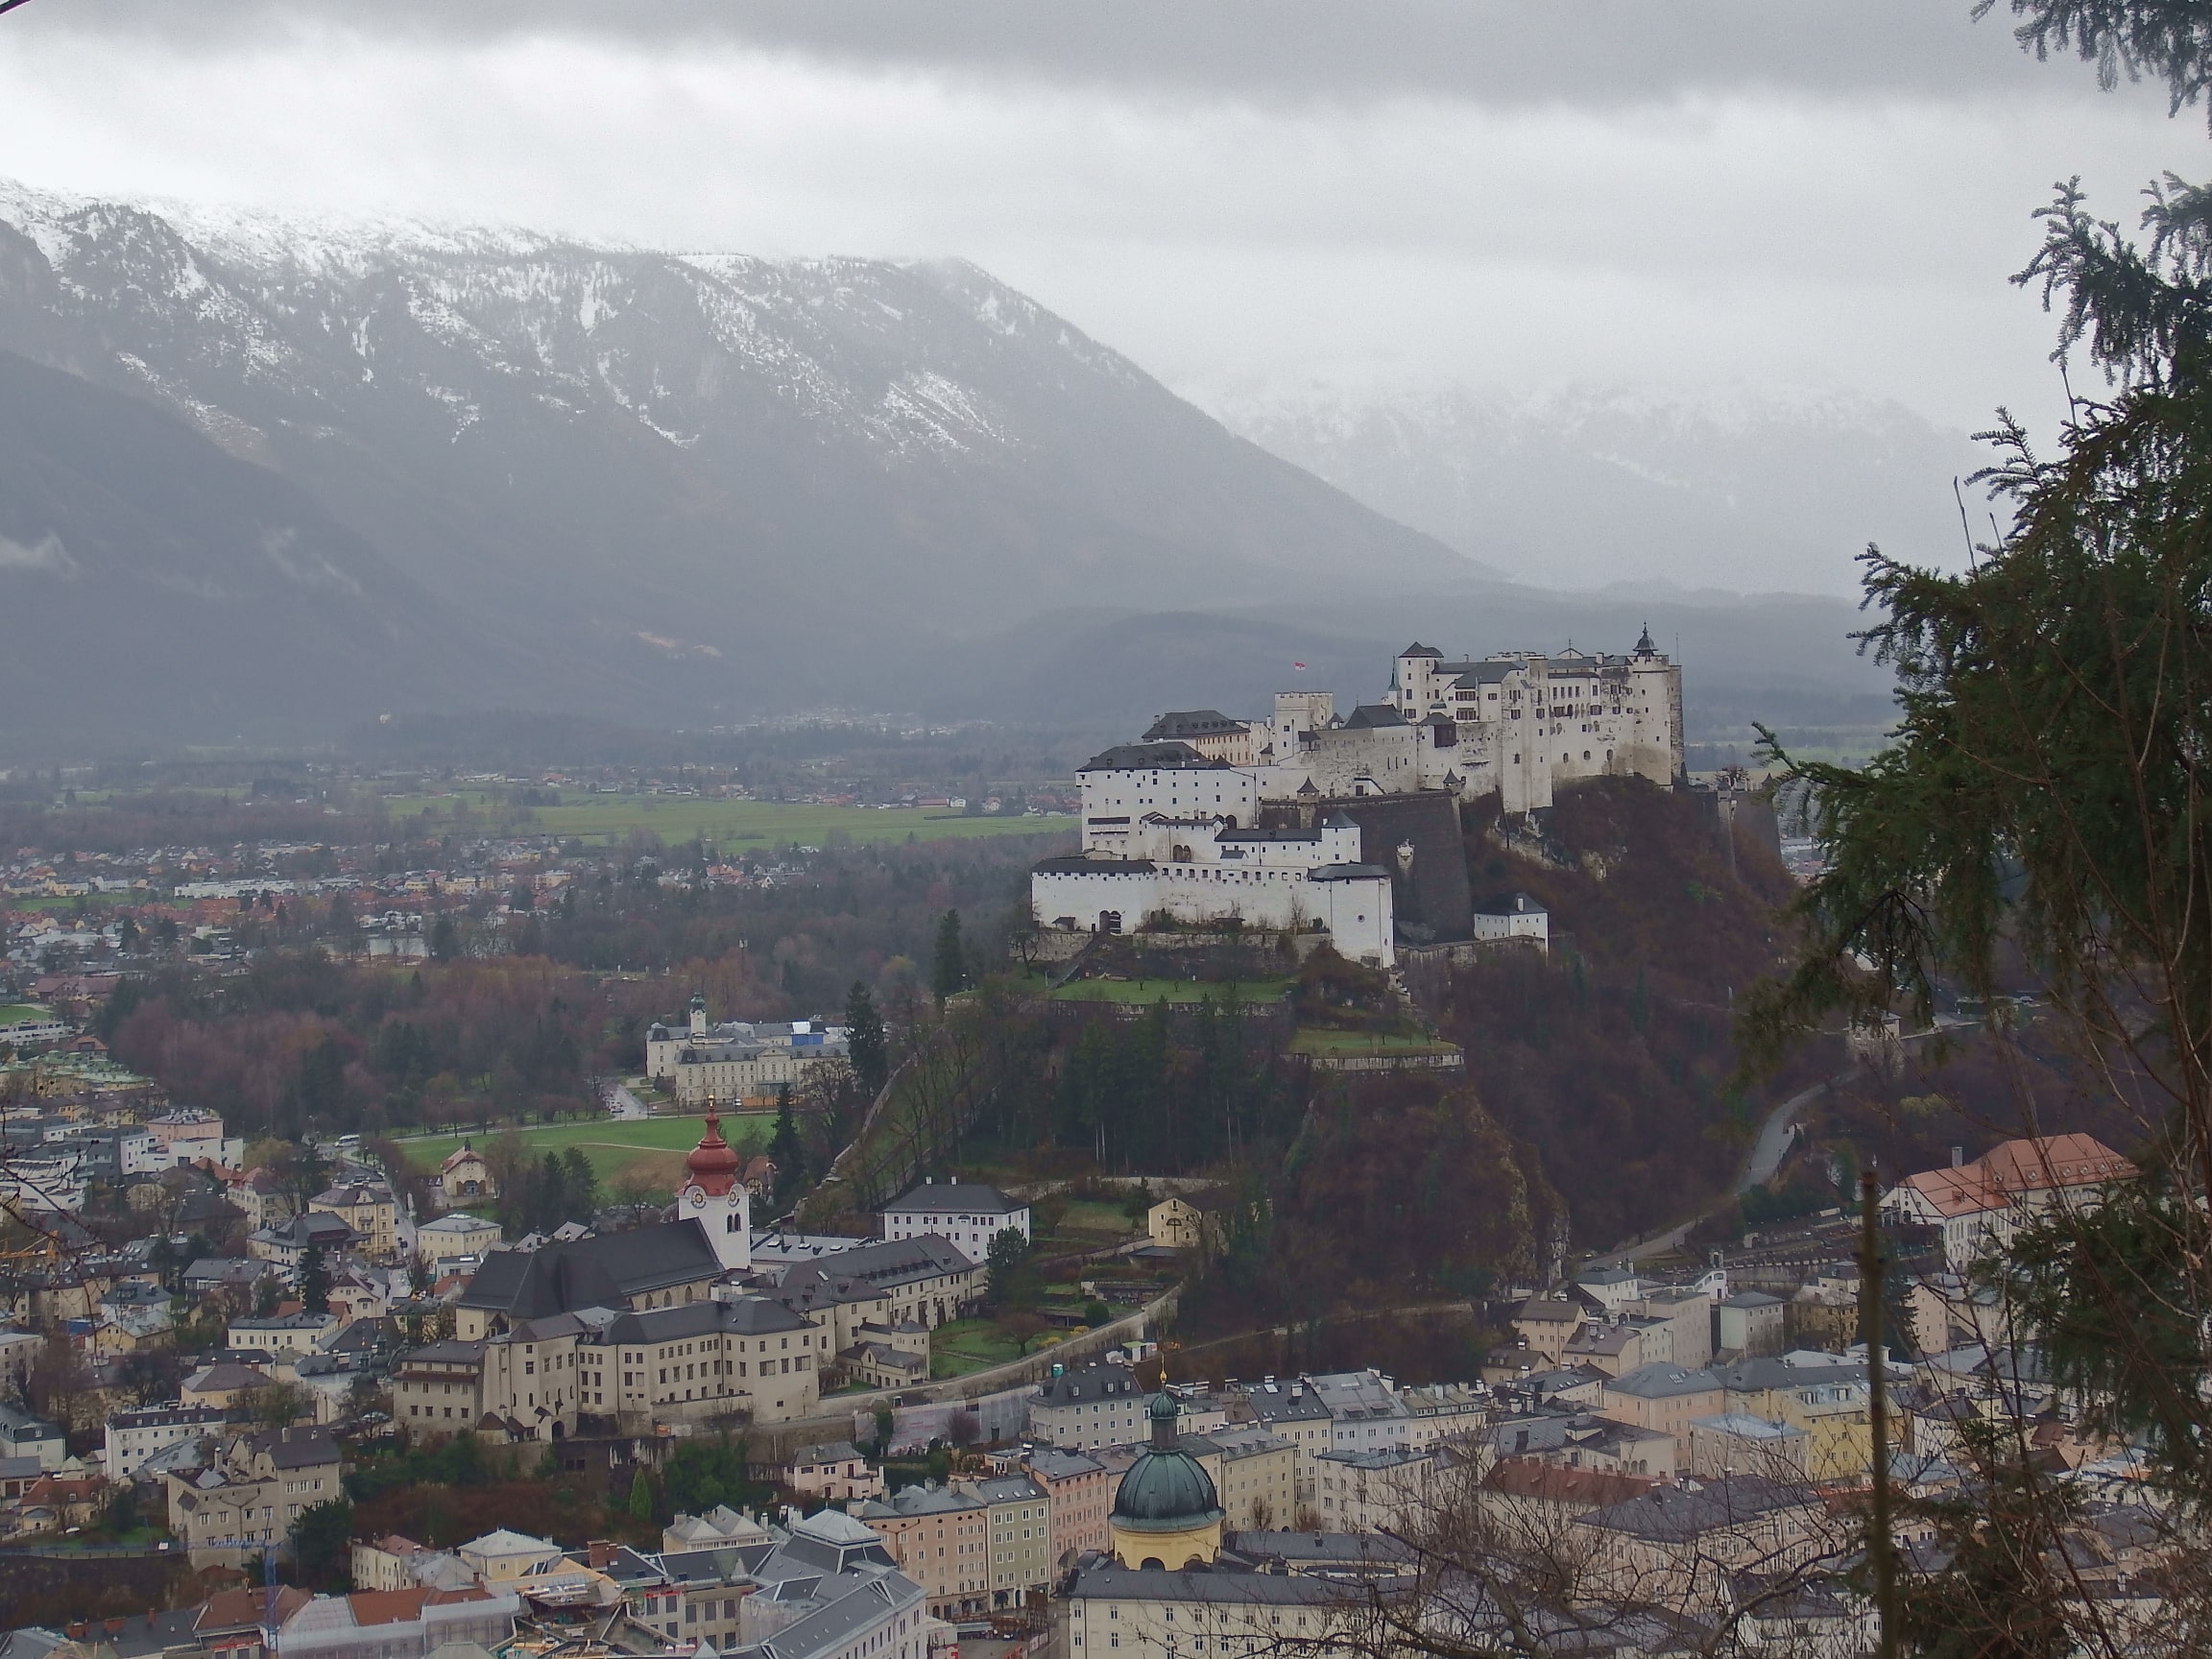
column 1609, row 1059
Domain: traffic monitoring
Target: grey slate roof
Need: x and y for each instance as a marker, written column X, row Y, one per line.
column 295, row 1447
column 1677, row 1514
column 1087, row 1383
column 871, row 1270
column 1151, row 757
column 1184, row 723
column 962, row 1197
column 748, row 1316
column 603, row 1271
column 1082, row 864
column 1662, row 1381
column 927, row 1498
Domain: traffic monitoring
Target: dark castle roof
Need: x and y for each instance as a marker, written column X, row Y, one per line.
column 1150, row 757
column 598, row 1272
column 1192, row 723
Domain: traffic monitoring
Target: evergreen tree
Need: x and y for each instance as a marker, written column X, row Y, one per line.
column 582, row 1184
column 1006, row 1268
column 640, row 1496
column 871, row 1052
column 949, row 969
column 315, row 1283
column 786, row 1151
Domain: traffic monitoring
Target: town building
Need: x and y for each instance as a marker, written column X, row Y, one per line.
column 637, row 1329
column 456, row 1236
column 1750, row 1324
column 1734, row 1443
column 737, row 1062
column 1516, row 919
column 1292, row 1411
column 368, row 1209
column 1187, row 1221
column 1982, row 1205
column 24, row 1434
column 837, row 1472
column 965, row 1214
column 1195, row 868
column 290, row 1244
column 1681, row 1545
column 135, row 1435
column 410, row 1624
column 283, row 1334
column 1662, row 1396
column 250, row 1494
column 940, row 1538
column 1078, row 1495
column 503, row 1555
column 863, row 1289
column 1018, row 1525
column 1255, row 1475
column 1371, row 1491
column 1088, row 1406
column 1364, row 1411
column 465, row 1178
column 193, row 1135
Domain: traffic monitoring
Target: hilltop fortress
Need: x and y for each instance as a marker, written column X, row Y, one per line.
column 1209, row 818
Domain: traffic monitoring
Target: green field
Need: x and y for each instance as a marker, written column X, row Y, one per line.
column 734, row 825
column 960, row 1346
column 1149, row 991
column 18, row 1013
column 611, row 1147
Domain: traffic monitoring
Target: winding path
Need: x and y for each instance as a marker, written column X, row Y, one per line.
column 1775, row 1136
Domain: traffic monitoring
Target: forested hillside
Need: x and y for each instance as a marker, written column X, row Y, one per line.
column 1610, row 1058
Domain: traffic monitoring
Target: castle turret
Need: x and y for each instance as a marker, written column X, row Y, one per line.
column 698, row 1015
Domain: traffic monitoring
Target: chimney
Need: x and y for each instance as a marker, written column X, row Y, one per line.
column 1958, row 1157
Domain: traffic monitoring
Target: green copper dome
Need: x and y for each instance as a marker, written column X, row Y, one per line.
column 1165, row 1490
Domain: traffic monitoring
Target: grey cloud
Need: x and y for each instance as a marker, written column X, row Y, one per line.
column 1593, row 52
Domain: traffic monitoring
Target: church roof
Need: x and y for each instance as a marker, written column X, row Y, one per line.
column 1167, row 1489
column 602, row 1272
column 713, row 1165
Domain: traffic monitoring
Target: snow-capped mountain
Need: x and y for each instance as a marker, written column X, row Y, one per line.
column 1752, row 494
column 706, row 481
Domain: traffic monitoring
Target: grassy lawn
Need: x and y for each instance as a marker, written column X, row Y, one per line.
column 1087, row 1225
column 737, row 825
column 17, row 1013
column 960, row 1346
column 1148, row 991
column 1313, row 1040
column 659, row 1143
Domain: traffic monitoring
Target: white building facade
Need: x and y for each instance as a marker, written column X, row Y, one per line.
column 967, row 1215
column 1196, row 869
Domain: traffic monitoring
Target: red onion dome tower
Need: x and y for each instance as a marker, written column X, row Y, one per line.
column 712, row 1196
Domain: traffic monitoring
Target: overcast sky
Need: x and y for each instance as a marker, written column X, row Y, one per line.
column 1797, row 196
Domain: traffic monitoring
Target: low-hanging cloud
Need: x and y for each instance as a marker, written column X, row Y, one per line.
column 1596, row 52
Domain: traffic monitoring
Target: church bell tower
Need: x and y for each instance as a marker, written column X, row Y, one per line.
column 712, row 1196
